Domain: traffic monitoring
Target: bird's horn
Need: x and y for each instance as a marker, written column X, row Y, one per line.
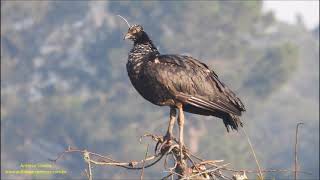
column 124, row 20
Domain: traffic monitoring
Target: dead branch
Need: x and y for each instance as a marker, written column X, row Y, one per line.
column 103, row 160
column 193, row 167
column 86, row 157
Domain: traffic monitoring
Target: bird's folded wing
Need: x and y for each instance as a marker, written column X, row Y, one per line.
column 224, row 89
column 218, row 104
column 190, row 78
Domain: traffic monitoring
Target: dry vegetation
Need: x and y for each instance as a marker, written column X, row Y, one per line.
column 190, row 166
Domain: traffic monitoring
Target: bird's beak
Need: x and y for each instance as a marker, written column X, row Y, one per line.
column 127, row 36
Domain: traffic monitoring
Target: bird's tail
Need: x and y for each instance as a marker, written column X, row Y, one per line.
column 232, row 121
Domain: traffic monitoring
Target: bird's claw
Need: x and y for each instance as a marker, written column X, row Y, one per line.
column 164, row 144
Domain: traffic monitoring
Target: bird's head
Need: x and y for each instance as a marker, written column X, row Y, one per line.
column 135, row 32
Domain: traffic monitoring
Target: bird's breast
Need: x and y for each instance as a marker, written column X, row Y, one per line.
column 142, row 78
column 134, row 68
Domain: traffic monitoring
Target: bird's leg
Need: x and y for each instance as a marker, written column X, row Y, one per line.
column 181, row 124
column 173, row 114
column 165, row 144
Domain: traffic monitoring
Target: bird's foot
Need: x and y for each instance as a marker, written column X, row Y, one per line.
column 165, row 143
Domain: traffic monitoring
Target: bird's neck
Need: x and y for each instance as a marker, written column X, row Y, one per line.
column 141, row 48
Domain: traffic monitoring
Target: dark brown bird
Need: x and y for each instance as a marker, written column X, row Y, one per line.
column 180, row 82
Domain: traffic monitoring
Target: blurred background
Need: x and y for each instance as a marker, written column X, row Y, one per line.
column 64, row 82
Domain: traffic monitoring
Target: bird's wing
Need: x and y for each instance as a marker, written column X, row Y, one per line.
column 193, row 82
column 210, row 105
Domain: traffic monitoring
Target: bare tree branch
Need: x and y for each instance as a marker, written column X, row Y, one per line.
column 193, row 167
column 86, row 157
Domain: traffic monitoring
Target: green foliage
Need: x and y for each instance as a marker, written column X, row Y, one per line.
column 273, row 69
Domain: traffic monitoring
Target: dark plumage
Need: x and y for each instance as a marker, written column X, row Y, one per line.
column 168, row 80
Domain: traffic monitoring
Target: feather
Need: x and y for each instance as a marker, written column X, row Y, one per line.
column 209, row 105
column 168, row 79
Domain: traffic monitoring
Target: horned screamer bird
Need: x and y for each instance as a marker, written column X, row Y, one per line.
column 180, row 82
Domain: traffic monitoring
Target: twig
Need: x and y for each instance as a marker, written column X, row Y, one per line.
column 175, row 163
column 127, row 165
column 86, row 157
column 165, row 164
column 180, row 175
column 206, row 171
column 254, row 154
column 166, row 177
column 296, row 152
column 264, row 170
column 212, row 162
column 197, row 157
column 144, row 161
column 198, row 166
column 193, row 163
